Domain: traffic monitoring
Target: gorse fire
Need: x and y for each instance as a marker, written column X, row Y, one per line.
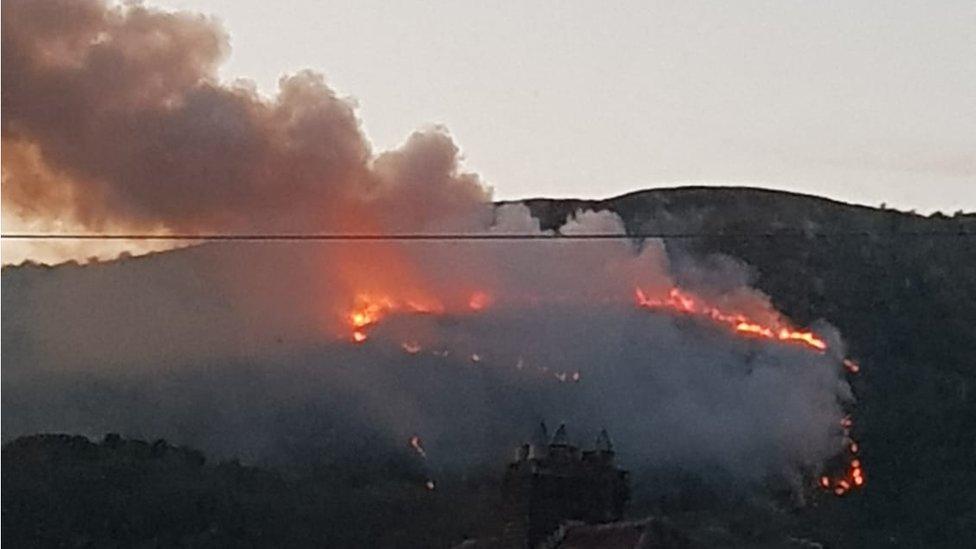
column 375, row 324
column 369, row 310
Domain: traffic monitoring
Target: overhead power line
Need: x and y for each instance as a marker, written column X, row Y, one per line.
column 258, row 237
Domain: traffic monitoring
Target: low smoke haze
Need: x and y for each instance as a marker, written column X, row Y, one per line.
column 510, row 333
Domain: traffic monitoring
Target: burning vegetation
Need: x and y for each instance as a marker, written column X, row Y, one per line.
column 840, row 476
column 462, row 342
column 683, row 302
column 115, row 119
column 839, row 482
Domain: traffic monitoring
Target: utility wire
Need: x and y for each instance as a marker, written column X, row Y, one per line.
column 258, row 237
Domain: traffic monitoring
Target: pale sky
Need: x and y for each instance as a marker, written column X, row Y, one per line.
column 866, row 102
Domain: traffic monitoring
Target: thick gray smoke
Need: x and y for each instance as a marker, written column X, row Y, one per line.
column 247, row 351
column 113, row 117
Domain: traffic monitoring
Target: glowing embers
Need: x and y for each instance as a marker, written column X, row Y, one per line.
column 418, row 447
column 856, row 473
column 563, row 377
column 686, row 303
column 851, row 477
column 411, row 347
column 478, row 301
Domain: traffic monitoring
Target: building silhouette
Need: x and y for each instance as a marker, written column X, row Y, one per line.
column 552, row 482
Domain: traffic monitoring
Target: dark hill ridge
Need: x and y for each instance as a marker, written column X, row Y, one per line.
column 723, row 209
column 803, row 248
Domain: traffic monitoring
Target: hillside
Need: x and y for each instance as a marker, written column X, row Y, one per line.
column 904, row 300
column 901, row 289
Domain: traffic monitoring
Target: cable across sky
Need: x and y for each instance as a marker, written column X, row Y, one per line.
column 259, row 237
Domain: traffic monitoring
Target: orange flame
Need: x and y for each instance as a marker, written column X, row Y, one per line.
column 852, row 478
column 775, row 329
column 369, row 309
column 686, row 303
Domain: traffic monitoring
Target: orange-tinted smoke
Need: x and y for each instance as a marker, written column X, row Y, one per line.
column 123, row 106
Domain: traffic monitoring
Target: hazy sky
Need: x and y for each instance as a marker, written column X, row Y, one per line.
column 861, row 101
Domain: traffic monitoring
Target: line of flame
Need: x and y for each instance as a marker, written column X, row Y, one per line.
column 683, row 302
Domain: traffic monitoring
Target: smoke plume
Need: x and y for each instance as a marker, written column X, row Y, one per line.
column 120, row 108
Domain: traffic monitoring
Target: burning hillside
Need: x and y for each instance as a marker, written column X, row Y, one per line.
column 267, row 350
column 375, row 371
column 475, row 342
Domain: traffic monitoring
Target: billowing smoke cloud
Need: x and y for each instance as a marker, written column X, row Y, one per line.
column 121, row 110
column 113, row 116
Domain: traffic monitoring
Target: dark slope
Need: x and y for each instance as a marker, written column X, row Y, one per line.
column 67, row 491
column 905, row 301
